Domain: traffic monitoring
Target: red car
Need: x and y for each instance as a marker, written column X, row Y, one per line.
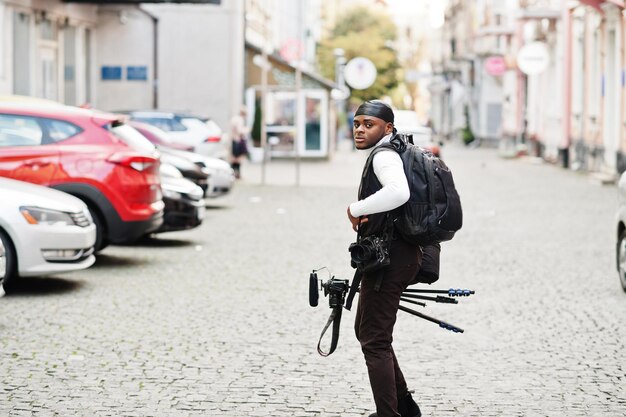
column 91, row 155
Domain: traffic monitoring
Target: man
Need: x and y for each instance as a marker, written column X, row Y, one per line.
column 383, row 188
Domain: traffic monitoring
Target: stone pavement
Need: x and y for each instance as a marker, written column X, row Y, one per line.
column 215, row 321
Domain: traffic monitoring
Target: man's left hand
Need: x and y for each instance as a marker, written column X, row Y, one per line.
column 356, row 221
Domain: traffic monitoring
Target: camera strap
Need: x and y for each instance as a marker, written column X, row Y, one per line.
column 335, row 319
column 354, row 287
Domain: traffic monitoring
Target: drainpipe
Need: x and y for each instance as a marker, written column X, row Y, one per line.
column 521, row 87
column 567, row 86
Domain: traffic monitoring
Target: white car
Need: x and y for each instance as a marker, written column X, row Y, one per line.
column 221, row 175
column 205, row 136
column 43, row 231
column 406, row 121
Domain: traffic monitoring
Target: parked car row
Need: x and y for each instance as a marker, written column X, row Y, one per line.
column 105, row 183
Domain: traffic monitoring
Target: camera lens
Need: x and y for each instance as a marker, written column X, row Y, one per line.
column 360, row 253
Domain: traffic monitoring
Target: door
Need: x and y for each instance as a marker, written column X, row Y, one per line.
column 48, row 73
column 314, row 130
column 25, row 152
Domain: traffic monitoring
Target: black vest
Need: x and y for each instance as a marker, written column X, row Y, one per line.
column 376, row 223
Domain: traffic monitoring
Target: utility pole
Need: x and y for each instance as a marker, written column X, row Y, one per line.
column 264, row 70
column 299, row 98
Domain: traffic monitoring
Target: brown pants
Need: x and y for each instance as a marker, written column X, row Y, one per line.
column 374, row 321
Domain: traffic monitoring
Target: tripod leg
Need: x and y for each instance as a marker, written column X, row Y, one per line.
column 442, row 324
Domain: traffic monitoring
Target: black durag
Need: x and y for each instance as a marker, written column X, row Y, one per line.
column 376, row 108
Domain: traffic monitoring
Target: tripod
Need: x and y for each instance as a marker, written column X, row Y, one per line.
column 409, row 295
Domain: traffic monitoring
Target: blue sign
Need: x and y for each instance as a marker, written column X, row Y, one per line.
column 137, row 73
column 111, row 73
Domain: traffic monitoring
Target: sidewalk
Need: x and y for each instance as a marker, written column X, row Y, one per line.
column 343, row 169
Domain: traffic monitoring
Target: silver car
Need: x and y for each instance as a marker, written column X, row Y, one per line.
column 205, row 136
column 42, row 231
column 221, row 175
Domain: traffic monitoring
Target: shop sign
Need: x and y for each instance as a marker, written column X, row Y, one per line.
column 495, row 65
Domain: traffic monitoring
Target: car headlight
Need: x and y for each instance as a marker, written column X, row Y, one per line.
column 38, row 215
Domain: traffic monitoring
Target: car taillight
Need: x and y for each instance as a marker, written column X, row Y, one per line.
column 212, row 139
column 137, row 162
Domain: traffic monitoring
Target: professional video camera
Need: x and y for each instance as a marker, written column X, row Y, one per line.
column 336, row 290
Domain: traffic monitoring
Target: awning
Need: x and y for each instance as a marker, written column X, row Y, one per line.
column 143, row 1
column 597, row 3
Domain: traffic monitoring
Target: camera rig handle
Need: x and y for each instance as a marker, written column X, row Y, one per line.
column 452, row 292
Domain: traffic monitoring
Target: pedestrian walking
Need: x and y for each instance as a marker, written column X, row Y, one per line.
column 383, row 188
column 239, row 141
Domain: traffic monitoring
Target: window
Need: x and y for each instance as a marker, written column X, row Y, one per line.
column 163, row 123
column 19, row 131
column 132, row 137
column 69, row 67
column 59, row 130
column 48, row 30
column 21, row 56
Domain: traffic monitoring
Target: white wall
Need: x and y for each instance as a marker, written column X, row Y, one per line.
column 125, row 37
column 200, row 58
column 4, row 48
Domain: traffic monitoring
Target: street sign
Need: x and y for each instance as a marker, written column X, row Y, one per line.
column 292, row 50
column 360, row 73
column 111, row 73
column 137, row 73
column 495, row 65
column 533, row 58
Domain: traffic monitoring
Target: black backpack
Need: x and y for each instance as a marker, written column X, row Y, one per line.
column 433, row 213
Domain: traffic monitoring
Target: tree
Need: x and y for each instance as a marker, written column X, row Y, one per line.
column 362, row 33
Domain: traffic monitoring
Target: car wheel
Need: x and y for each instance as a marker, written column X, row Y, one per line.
column 101, row 241
column 8, row 261
column 621, row 259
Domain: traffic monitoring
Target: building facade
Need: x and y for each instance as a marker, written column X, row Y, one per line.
column 568, row 106
column 183, row 57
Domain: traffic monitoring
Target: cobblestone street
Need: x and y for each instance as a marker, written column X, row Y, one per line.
column 215, row 321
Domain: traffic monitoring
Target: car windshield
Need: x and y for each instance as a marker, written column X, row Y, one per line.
column 168, row 124
column 132, row 138
column 159, row 134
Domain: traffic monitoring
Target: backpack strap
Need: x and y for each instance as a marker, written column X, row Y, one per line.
column 428, row 162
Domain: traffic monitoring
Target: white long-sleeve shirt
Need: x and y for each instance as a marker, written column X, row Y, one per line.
column 389, row 170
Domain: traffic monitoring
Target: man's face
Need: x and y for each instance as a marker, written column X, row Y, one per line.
column 368, row 130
